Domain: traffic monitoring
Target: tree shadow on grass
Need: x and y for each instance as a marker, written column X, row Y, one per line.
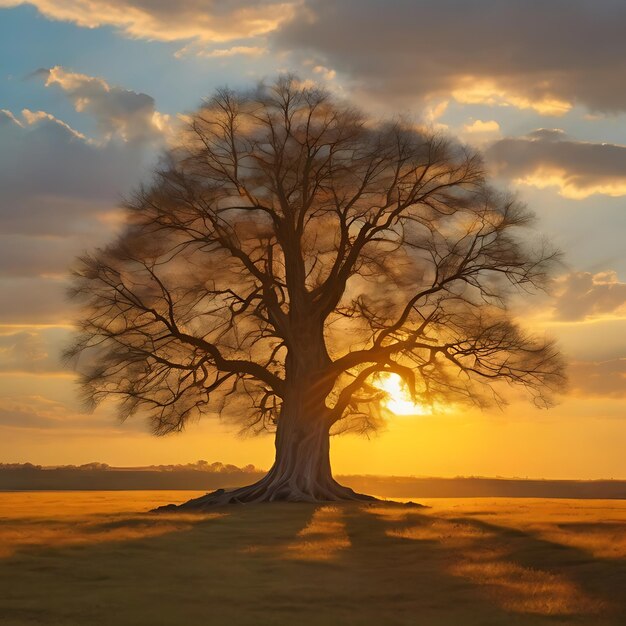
column 601, row 579
column 288, row 564
column 521, row 573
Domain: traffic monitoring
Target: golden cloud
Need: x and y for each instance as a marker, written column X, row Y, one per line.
column 472, row 90
column 549, row 158
column 583, row 296
column 206, row 20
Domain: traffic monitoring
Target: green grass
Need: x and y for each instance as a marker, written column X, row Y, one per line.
column 93, row 558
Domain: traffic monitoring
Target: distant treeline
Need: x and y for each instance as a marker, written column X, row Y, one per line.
column 203, row 466
column 410, row 487
column 102, row 477
column 209, row 476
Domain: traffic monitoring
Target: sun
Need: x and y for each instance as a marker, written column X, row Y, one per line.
column 398, row 399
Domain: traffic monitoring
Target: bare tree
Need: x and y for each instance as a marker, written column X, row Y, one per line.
column 287, row 253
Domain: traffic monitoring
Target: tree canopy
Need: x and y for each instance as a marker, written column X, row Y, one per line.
column 289, row 250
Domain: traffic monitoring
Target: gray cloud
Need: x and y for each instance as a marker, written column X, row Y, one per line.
column 33, row 350
column 601, row 379
column 60, row 192
column 34, row 300
column 23, row 256
column 117, row 111
column 59, row 196
column 37, row 412
column 582, row 295
column 547, row 157
column 54, row 180
column 24, row 418
column 527, row 53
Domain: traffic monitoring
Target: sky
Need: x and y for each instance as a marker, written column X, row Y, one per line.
column 92, row 92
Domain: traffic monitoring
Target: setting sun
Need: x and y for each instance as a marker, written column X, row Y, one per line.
column 398, row 399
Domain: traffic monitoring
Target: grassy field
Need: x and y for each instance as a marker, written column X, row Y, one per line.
column 95, row 558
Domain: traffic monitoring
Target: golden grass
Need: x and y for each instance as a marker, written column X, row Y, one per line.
column 596, row 526
column 77, row 531
column 481, row 555
column 84, row 504
column 525, row 590
column 78, row 558
column 454, row 534
column 82, row 518
column 322, row 538
column 604, row 542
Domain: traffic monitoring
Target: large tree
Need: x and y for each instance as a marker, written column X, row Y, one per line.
column 287, row 254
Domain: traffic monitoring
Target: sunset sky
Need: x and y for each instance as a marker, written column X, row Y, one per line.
column 92, row 90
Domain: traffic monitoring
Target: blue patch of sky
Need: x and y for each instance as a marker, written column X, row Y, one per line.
column 583, row 125
column 589, row 230
column 578, row 123
column 29, row 42
column 512, row 121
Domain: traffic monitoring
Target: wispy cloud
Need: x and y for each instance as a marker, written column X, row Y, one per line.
column 220, row 53
column 599, row 378
column 549, row 158
column 583, row 295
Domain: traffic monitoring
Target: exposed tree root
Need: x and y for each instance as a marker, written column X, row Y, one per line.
column 262, row 492
column 270, row 490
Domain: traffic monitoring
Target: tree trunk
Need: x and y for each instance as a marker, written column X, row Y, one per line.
column 301, row 471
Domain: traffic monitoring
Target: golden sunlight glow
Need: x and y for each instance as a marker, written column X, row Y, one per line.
column 572, row 187
column 398, row 399
column 473, row 90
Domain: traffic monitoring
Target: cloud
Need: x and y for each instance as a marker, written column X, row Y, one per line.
column 41, row 413
column 61, row 189
column 480, row 132
column 220, row 53
column 36, row 411
column 521, row 53
column 205, row 20
column 34, row 300
column 24, row 416
column 32, row 350
column 583, row 295
column 22, row 345
column 58, row 189
column 479, row 127
column 325, row 72
column 42, row 256
column 549, row 158
column 7, row 118
column 471, row 90
column 599, row 379
column 54, row 180
column 127, row 114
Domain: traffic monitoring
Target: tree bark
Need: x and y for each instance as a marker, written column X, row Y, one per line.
column 301, row 471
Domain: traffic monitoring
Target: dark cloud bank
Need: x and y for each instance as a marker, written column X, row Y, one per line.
column 581, row 168
column 570, row 50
